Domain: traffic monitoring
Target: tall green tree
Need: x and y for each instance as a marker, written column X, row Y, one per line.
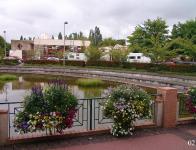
column 2, row 47
column 185, row 30
column 60, row 37
column 21, row 37
column 181, row 47
column 150, row 37
column 95, row 37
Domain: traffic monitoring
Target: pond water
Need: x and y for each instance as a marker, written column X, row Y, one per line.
column 14, row 91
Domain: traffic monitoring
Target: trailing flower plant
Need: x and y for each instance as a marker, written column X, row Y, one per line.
column 49, row 109
column 124, row 105
column 191, row 101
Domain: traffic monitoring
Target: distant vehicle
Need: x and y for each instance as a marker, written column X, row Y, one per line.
column 53, row 58
column 138, row 57
column 76, row 56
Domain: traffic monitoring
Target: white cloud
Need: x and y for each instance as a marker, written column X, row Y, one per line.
column 116, row 18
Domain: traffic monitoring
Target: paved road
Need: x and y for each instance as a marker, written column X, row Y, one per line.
column 144, row 139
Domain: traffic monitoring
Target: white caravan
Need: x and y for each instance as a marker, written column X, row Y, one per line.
column 76, row 56
column 138, row 57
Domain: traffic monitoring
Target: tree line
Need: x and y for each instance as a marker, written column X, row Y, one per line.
column 154, row 39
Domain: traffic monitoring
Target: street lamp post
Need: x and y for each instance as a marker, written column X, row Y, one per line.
column 5, row 42
column 64, row 43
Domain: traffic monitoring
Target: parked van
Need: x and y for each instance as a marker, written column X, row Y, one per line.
column 138, row 57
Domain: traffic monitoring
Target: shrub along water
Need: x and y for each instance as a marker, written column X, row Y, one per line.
column 7, row 77
column 90, row 82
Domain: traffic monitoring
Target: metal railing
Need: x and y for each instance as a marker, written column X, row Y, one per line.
column 89, row 114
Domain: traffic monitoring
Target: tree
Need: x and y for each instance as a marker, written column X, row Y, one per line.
column 2, row 47
column 108, row 42
column 150, row 38
column 60, row 37
column 21, row 37
column 95, row 37
column 185, row 30
column 93, row 53
column 180, row 47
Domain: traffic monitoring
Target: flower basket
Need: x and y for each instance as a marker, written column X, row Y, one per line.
column 124, row 105
column 50, row 109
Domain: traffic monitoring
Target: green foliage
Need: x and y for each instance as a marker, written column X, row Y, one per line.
column 60, row 37
column 180, row 47
column 185, row 30
column 124, row 105
column 192, row 94
column 77, row 36
column 93, row 53
column 7, row 77
column 2, row 47
column 21, row 37
column 59, row 99
column 112, row 42
column 119, row 55
column 51, row 109
column 108, row 42
column 150, row 38
column 90, row 82
column 95, row 37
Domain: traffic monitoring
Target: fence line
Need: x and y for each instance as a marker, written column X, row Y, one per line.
column 89, row 115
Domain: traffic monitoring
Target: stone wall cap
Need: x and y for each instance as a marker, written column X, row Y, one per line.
column 167, row 88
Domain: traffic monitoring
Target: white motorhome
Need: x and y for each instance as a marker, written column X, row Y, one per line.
column 16, row 54
column 76, row 56
column 138, row 57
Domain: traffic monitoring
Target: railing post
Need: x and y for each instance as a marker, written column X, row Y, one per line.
column 3, row 126
column 168, row 100
column 91, row 113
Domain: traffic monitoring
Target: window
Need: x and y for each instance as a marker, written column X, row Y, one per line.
column 131, row 57
column 71, row 56
column 138, row 57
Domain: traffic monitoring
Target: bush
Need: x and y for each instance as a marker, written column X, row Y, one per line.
column 191, row 101
column 51, row 109
column 90, row 82
column 9, row 62
column 7, row 77
column 124, row 105
column 93, row 53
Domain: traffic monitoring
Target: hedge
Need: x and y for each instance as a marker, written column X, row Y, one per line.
column 152, row 67
column 103, row 63
column 54, row 62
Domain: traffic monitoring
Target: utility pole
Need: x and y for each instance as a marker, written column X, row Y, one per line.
column 5, row 43
column 64, row 43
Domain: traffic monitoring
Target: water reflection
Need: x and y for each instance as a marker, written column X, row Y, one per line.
column 16, row 90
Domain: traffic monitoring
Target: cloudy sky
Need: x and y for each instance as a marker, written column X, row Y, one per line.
column 116, row 18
